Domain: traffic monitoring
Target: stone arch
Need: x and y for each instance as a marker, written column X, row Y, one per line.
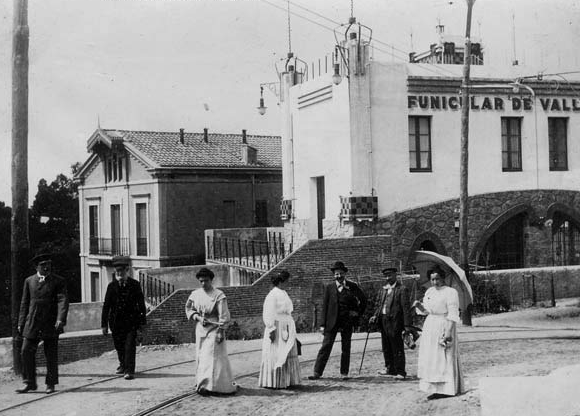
column 426, row 236
column 497, row 223
column 573, row 214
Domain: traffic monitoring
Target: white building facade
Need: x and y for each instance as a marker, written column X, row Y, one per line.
column 379, row 153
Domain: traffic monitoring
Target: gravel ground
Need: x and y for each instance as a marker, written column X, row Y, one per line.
column 366, row 393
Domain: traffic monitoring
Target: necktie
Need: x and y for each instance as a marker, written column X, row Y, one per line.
column 41, row 279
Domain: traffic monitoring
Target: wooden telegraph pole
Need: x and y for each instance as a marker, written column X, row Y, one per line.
column 463, row 172
column 19, row 223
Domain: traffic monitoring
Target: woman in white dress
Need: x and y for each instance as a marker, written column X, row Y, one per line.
column 208, row 306
column 439, row 365
column 280, row 367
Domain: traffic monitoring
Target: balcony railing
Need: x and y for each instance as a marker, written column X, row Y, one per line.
column 109, row 246
column 256, row 254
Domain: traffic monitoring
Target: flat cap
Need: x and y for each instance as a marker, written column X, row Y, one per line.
column 121, row 261
column 389, row 270
column 39, row 258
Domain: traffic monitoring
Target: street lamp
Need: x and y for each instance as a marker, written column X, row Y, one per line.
column 262, row 107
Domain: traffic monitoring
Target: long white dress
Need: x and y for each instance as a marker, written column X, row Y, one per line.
column 280, row 366
column 439, row 368
column 213, row 373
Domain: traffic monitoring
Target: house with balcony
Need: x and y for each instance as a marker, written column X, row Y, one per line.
column 150, row 195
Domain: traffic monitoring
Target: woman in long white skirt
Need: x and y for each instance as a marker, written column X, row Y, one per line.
column 439, row 369
column 280, row 367
column 208, row 306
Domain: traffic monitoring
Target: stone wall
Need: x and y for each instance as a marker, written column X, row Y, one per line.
column 309, row 269
column 487, row 212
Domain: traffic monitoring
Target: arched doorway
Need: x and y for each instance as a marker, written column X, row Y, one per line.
column 428, row 245
column 565, row 240
column 504, row 249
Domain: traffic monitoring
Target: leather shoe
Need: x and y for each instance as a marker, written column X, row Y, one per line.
column 129, row 376
column 313, row 377
column 344, row 376
column 49, row 388
column 120, row 370
column 26, row 388
column 399, row 377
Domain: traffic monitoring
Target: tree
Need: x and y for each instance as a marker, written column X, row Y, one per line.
column 54, row 227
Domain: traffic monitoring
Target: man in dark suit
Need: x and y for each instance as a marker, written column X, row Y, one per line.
column 342, row 305
column 124, row 312
column 43, row 313
column 393, row 313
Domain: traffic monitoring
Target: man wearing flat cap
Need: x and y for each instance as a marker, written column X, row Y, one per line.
column 124, row 313
column 43, row 313
column 342, row 305
column 393, row 313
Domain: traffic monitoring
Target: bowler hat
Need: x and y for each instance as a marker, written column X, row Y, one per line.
column 389, row 270
column 204, row 272
column 121, row 261
column 338, row 266
column 39, row 258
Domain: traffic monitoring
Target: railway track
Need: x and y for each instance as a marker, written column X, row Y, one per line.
column 336, row 351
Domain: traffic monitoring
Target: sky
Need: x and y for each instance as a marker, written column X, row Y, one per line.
column 162, row 65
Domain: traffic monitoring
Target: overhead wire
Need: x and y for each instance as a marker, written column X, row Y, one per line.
column 427, row 67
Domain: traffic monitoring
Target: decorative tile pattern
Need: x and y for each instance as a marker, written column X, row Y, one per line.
column 359, row 208
column 286, row 209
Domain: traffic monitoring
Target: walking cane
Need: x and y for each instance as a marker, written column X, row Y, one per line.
column 364, row 349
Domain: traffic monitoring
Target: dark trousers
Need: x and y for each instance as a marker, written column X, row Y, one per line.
column 29, row 347
column 125, row 344
column 393, row 346
column 326, row 348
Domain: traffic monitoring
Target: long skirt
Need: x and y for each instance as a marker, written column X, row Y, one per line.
column 439, row 368
column 214, row 373
column 279, row 377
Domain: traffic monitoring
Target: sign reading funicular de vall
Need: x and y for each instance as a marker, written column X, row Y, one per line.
column 442, row 102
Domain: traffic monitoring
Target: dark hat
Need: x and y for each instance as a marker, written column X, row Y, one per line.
column 121, row 261
column 338, row 266
column 204, row 272
column 39, row 258
column 389, row 270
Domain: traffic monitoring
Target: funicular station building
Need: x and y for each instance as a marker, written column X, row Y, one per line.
column 379, row 153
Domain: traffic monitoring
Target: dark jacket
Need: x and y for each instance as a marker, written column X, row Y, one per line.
column 330, row 304
column 42, row 305
column 127, row 313
column 398, row 309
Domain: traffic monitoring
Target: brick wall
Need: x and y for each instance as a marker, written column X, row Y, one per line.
column 309, row 270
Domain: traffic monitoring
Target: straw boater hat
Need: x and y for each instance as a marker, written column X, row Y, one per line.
column 389, row 270
column 39, row 258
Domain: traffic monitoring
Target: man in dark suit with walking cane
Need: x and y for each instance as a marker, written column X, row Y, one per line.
column 342, row 305
column 393, row 313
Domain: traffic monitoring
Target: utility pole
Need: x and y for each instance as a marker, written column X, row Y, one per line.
column 19, row 222
column 463, row 171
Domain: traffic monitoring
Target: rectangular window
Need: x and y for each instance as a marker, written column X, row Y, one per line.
column 420, row 144
column 95, row 286
column 261, row 213
column 116, row 243
column 141, row 225
column 93, row 229
column 558, row 138
column 511, row 144
column 229, row 214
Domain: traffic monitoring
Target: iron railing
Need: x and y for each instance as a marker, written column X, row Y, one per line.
column 155, row 290
column 109, row 246
column 256, row 254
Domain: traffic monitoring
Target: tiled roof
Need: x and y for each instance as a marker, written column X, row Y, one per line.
column 221, row 150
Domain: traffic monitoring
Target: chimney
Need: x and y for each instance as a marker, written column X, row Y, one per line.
column 249, row 154
column 205, row 139
column 182, row 136
column 244, row 139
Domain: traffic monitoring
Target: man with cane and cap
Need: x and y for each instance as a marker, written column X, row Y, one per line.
column 124, row 312
column 342, row 305
column 393, row 313
column 43, row 313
